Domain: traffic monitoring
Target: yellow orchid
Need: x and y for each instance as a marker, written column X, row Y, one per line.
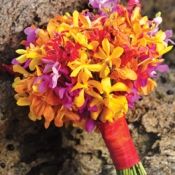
column 161, row 46
column 83, row 40
column 86, row 86
column 33, row 53
column 83, row 64
column 110, row 106
column 124, row 73
column 104, row 101
column 115, row 106
column 110, row 57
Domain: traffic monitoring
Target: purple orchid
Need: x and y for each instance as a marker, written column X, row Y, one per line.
column 63, row 91
column 14, row 61
column 31, row 35
column 90, row 125
column 169, row 35
column 156, row 21
column 43, row 81
column 163, row 68
column 132, row 97
column 104, row 6
column 55, row 75
column 132, row 4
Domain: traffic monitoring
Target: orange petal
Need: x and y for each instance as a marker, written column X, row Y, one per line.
column 48, row 115
column 20, row 69
column 126, row 73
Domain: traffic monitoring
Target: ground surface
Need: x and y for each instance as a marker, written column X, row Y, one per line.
column 26, row 148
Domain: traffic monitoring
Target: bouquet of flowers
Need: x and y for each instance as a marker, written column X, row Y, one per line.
column 88, row 68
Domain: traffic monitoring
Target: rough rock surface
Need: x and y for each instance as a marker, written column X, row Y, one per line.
column 26, row 148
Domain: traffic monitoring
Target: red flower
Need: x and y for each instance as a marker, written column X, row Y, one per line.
column 63, row 52
column 98, row 35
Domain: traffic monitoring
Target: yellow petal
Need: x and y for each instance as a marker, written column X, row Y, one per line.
column 23, row 101
column 83, row 57
column 88, row 73
column 85, row 20
column 135, row 14
column 117, row 104
column 143, row 20
column 117, row 52
column 33, row 64
column 116, row 62
column 97, row 103
column 77, row 86
column 83, row 77
column 35, row 88
column 21, row 51
column 79, row 100
column 100, row 54
column 80, row 38
column 94, row 67
column 74, row 64
column 106, row 85
column 119, row 87
column 94, row 45
column 96, row 84
column 106, row 46
column 137, row 29
column 94, row 94
column 51, row 27
column 33, row 55
column 21, row 59
column 160, row 36
column 167, row 49
column 107, row 115
column 76, row 71
column 105, row 71
column 38, row 71
column 75, row 18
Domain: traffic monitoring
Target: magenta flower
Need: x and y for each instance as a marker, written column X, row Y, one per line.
column 132, row 4
column 90, row 125
column 55, row 75
column 163, row 68
column 31, row 35
column 104, row 6
column 132, row 98
column 169, row 35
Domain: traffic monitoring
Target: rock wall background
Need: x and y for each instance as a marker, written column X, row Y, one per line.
column 26, row 148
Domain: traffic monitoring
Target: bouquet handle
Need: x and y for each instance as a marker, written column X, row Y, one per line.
column 119, row 142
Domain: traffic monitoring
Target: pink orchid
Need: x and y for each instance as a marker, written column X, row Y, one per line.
column 104, row 5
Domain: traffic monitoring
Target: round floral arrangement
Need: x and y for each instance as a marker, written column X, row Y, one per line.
column 88, row 68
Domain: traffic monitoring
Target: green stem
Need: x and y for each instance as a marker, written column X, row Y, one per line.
column 137, row 169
